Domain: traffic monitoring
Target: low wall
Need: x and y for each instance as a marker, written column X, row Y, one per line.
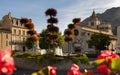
column 32, row 64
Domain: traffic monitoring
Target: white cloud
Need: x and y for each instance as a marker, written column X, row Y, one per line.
column 83, row 9
column 114, row 3
column 66, row 11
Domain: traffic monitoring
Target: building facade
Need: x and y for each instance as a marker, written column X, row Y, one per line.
column 118, row 38
column 84, row 33
column 12, row 33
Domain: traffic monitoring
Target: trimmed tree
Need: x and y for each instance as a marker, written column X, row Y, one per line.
column 50, row 38
column 70, row 32
column 33, row 36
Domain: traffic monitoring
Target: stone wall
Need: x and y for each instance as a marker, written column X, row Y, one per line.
column 32, row 64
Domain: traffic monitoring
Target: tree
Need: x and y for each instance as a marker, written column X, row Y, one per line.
column 50, row 38
column 33, row 36
column 71, row 32
column 44, row 45
column 99, row 41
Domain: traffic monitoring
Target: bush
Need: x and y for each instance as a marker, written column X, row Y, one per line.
column 53, row 59
column 75, row 60
column 78, row 58
column 84, row 59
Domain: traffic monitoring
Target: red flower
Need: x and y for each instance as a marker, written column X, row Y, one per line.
column 74, row 70
column 6, row 62
column 52, row 70
column 7, row 68
column 106, row 53
column 103, row 69
column 101, row 57
column 88, row 72
column 115, row 56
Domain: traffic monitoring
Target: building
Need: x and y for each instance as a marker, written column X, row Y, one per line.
column 12, row 33
column 118, row 38
column 84, row 33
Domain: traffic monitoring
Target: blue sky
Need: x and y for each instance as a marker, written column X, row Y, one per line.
column 67, row 10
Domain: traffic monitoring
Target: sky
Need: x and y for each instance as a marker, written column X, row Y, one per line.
column 67, row 10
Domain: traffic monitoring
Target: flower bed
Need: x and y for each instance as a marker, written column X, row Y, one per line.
column 107, row 63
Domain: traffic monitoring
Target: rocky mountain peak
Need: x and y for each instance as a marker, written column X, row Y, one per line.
column 111, row 15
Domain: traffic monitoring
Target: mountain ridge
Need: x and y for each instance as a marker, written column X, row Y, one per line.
column 111, row 16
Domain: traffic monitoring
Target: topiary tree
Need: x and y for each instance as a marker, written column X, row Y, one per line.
column 70, row 32
column 50, row 38
column 33, row 36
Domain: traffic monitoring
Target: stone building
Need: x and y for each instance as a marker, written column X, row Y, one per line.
column 84, row 33
column 12, row 33
column 118, row 38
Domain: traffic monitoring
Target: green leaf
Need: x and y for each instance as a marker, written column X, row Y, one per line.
column 43, row 71
column 34, row 73
column 115, row 64
column 99, row 61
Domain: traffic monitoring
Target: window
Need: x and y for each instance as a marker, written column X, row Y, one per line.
column 10, row 43
column 6, row 35
column 23, row 32
column 14, row 31
column 88, row 33
column 16, row 22
column 92, row 23
column 19, row 32
column 97, row 27
column 76, row 32
column 12, row 21
column 23, row 39
column 7, row 43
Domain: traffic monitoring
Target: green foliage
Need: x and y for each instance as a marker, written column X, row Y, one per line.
column 29, row 44
column 98, row 62
column 79, row 58
column 39, row 58
column 53, row 59
column 51, row 38
column 99, row 41
column 42, row 42
column 115, row 63
column 47, row 45
column 43, row 71
column 61, row 40
column 84, row 59
column 75, row 60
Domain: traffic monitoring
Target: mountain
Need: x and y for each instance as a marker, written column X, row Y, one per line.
column 110, row 16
